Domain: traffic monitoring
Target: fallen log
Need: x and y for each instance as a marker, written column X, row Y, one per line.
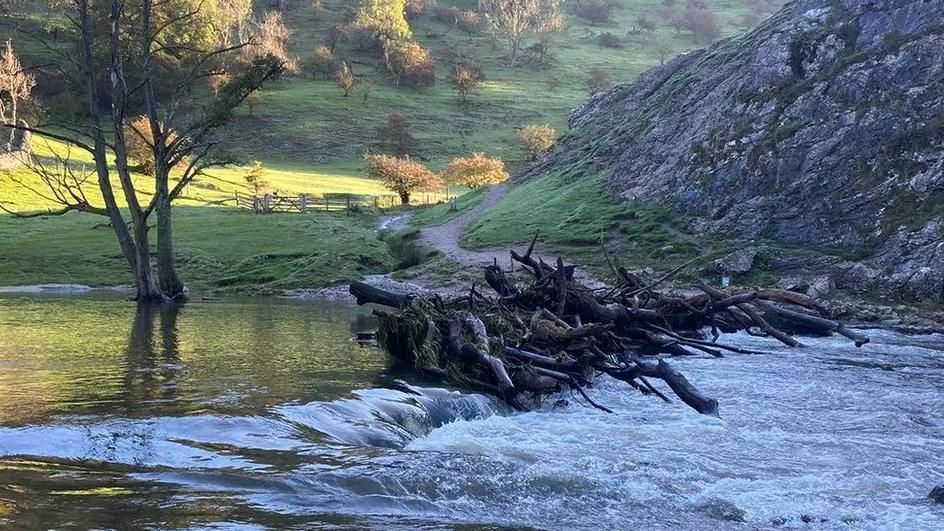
column 550, row 333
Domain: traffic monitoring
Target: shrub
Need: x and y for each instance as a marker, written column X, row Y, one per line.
column 609, row 40
column 254, row 101
column 700, row 22
column 322, row 62
column 138, row 141
column 465, row 77
column 445, row 15
column 410, row 64
column 415, row 8
column 401, row 175
column 335, row 35
column 397, row 135
column 345, row 78
column 364, row 87
column 598, row 81
column 595, row 11
column 256, row 180
column 644, row 23
column 477, row 170
column 536, row 139
column 272, row 36
column 384, row 20
column 216, row 82
column 468, row 21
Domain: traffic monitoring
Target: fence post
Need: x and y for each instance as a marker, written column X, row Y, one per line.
column 349, row 202
column 304, row 198
column 327, row 203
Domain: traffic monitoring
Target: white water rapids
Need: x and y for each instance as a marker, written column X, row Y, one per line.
column 826, row 437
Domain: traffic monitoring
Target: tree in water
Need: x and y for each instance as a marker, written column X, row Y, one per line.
column 131, row 46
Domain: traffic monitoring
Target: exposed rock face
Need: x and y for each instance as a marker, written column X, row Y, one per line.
column 822, row 127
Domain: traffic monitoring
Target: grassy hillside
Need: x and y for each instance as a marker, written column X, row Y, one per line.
column 309, row 121
column 218, row 247
column 311, row 139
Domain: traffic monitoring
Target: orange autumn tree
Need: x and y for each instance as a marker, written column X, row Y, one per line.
column 477, row 170
column 401, row 175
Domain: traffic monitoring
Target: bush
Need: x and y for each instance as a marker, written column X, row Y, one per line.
column 477, row 170
column 397, row 135
column 595, row 11
column 384, row 20
column 609, row 40
column 536, row 139
column 410, row 64
column 335, row 35
column 138, row 141
column 445, row 15
column 256, row 180
column 345, row 78
column 644, row 23
column 401, row 175
column 598, row 81
column 415, row 8
column 254, row 101
column 465, row 77
column 698, row 20
column 468, row 21
column 322, row 63
column 216, row 82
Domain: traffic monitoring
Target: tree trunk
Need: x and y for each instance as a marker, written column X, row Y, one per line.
column 405, row 198
column 168, row 279
column 147, row 289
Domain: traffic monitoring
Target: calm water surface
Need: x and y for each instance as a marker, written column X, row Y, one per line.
column 258, row 414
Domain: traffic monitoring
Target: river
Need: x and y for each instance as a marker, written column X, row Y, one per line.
column 263, row 414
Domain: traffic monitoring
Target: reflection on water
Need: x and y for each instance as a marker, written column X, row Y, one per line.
column 249, row 414
column 104, row 355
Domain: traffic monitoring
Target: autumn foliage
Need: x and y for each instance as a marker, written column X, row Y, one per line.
column 477, row 170
column 411, row 64
column 401, row 175
column 465, row 77
column 536, row 139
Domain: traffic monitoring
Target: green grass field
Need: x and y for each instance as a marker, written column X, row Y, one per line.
column 311, row 139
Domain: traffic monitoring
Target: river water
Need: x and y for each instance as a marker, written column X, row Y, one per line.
column 258, row 414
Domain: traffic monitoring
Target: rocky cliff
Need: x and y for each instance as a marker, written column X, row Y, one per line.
column 822, row 127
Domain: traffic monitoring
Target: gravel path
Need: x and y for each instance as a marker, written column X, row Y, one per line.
column 445, row 237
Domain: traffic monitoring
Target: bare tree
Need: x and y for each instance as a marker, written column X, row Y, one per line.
column 16, row 85
column 135, row 40
column 513, row 20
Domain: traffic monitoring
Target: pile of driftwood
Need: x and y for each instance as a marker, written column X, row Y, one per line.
column 553, row 333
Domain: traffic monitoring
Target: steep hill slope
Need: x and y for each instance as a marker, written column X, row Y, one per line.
column 822, row 127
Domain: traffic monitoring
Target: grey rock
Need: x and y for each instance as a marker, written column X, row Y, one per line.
column 736, row 263
column 937, row 494
column 798, row 285
column 819, row 128
column 821, row 287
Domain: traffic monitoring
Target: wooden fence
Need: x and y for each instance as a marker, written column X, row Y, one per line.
column 308, row 203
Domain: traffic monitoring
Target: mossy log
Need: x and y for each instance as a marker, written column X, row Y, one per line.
column 551, row 333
